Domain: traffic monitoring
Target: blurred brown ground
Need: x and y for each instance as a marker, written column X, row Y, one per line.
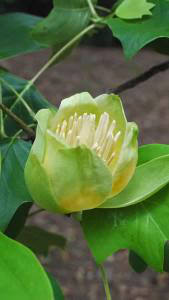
column 96, row 71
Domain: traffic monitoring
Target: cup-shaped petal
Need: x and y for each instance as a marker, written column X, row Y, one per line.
column 127, row 162
column 67, row 179
column 83, row 154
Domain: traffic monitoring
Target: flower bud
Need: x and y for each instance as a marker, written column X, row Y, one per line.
column 83, row 154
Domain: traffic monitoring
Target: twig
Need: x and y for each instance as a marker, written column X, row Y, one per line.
column 31, row 112
column 20, row 122
column 141, row 78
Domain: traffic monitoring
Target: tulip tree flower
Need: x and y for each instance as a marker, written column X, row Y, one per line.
column 83, row 154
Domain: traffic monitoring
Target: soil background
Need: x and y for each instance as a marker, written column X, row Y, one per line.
column 97, row 70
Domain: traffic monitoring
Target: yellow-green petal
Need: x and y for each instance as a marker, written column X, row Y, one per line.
column 74, row 179
column 43, row 117
column 113, row 106
column 79, row 103
column 38, row 184
column 127, row 162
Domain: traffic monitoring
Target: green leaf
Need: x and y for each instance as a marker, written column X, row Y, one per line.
column 21, row 275
column 151, row 151
column 135, row 34
column 145, row 182
column 166, row 257
column 11, row 86
column 134, row 9
column 13, row 191
column 39, row 240
column 136, row 262
column 142, row 228
column 18, row 221
column 58, row 295
column 65, row 21
column 15, row 35
column 145, row 154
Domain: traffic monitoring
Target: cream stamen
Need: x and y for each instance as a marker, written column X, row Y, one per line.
column 83, row 130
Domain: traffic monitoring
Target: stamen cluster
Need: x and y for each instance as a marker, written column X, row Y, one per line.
column 99, row 137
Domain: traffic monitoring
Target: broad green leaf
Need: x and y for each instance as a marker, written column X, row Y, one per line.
column 151, row 151
column 11, row 86
column 145, row 154
column 142, row 228
column 58, row 295
column 13, row 191
column 135, row 34
column 21, row 275
column 134, row 9
column 65, row 21
column 15, row 34
column 148, row 179
column 39, row 240
column 136, row 262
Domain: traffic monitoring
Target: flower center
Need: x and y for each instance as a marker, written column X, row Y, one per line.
column 83, row 130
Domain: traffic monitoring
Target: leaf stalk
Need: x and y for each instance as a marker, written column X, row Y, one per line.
column 105, row 282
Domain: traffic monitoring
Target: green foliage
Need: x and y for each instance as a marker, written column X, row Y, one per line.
column 21, row 275
column 66, row 20
column 15, row 35
column 136, row 262
column 13, row 192
column 133, row 9
column 18, row 220
column 151, row 151
column 142, row 228
column 58, row 295
column 135, row 34
column 145, row 182
column 24, row 107
column 39, row 240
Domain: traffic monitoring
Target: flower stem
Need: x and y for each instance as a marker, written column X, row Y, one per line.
column 92, row 9
column 56, row 56
column 105, row 282
column 20, row 122
column 103, row 8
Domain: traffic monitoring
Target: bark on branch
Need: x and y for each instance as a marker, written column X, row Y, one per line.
column 141, row 78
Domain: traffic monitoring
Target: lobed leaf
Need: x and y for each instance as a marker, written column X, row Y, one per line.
column 133, row 9
column 15, row 35
column 135, row 34
column 142, row 228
